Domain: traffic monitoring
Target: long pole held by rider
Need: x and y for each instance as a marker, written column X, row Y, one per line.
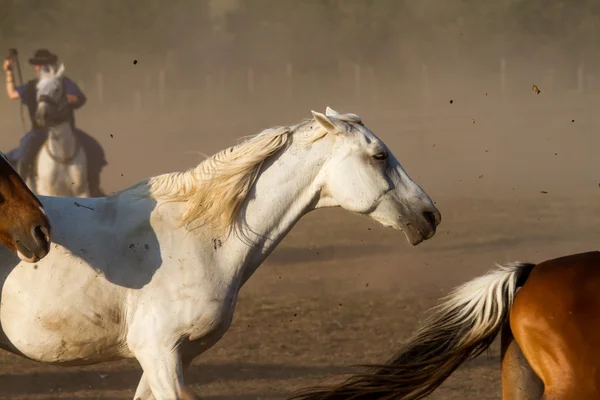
column 11, row 62
column 13, row 57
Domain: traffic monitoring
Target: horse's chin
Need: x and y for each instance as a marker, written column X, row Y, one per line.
column 31, row 259
column 25, row 254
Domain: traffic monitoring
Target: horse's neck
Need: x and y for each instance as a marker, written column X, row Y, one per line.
column 61, row 140
column 286, row 189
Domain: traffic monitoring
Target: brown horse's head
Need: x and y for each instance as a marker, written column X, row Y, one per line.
column 24, row 226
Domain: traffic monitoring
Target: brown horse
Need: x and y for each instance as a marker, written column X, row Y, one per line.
column 24, row 226
column 550, row 333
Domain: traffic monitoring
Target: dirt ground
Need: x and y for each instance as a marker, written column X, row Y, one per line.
column 341, row 290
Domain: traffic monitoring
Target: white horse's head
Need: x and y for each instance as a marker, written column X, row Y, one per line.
column 363, row 176
column 51, row 96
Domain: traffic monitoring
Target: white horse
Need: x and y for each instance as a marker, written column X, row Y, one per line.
column 153, row 272
column 61, row 163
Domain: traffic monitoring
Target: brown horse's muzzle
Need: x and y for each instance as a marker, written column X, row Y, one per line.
column 32, row 242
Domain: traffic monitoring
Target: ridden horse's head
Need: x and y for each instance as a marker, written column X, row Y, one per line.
column 51, row 96
column 363, row 176
column 24, row 226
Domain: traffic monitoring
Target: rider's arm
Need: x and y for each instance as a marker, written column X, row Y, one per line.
column 14, row 93
column 18, row 92
column 75, row 96
column 11, row 90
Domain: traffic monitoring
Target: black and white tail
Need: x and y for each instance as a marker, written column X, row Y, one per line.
column 462, row 327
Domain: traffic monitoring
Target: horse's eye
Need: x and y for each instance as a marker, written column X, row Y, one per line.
column 381, row 156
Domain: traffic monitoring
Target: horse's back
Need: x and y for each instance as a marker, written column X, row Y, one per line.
column 105, row 273
column 68, row 308
column 555, row 320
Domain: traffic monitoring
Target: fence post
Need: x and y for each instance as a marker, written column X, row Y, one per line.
column 372, row 83
column 161, row 87
column 137, row 102
column 209, row 89
column 100, row 88
column 550, row 80
column 250, row 80
column 425, row 82
column 290, row 81
column 503, row 77
column 580, row 78
column 357, row 82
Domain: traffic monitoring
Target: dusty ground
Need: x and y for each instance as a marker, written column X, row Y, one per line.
column 341, row 290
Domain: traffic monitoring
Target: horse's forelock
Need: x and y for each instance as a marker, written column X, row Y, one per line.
column 48, row 78
column 51, row 71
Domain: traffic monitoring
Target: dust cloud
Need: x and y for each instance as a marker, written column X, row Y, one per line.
column 447, row 84
column 209, row 72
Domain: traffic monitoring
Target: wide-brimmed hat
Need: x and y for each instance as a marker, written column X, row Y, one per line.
column 43, row 57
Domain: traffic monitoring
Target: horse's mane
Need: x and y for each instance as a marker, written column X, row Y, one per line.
column 215, row 189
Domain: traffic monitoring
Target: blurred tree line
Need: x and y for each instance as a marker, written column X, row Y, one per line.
column 311, row 34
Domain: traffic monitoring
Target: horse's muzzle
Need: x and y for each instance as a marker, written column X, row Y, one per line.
column 34, row 245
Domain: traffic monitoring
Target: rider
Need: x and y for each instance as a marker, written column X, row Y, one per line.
column 32, row 142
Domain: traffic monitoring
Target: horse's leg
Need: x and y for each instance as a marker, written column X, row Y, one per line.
column 143, row 391
column 519, row 381
column 163, row 374
column 163, row 379
column 80, row 186
column 83, row 191
column 43, row 181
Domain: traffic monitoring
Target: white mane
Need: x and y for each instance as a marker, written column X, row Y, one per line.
column 217, row 187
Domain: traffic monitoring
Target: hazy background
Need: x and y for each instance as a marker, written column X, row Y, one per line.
column 520, row 183
column 209, row 72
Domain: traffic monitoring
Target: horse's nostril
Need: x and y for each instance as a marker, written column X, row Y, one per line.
column 41, row 234
column 430, row 217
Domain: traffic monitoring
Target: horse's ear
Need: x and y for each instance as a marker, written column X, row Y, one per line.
column 331, row 124
column 330, row 112
column 61, row 70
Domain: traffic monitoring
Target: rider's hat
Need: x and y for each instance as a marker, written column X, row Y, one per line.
column 43, row 57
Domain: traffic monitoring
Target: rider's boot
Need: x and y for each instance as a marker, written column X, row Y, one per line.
column 26, row 162
column 96, row 161
column 29, row 150
column 13, row 158
column 94, row 178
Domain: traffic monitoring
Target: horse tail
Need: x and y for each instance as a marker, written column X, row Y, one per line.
column 462, row 327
